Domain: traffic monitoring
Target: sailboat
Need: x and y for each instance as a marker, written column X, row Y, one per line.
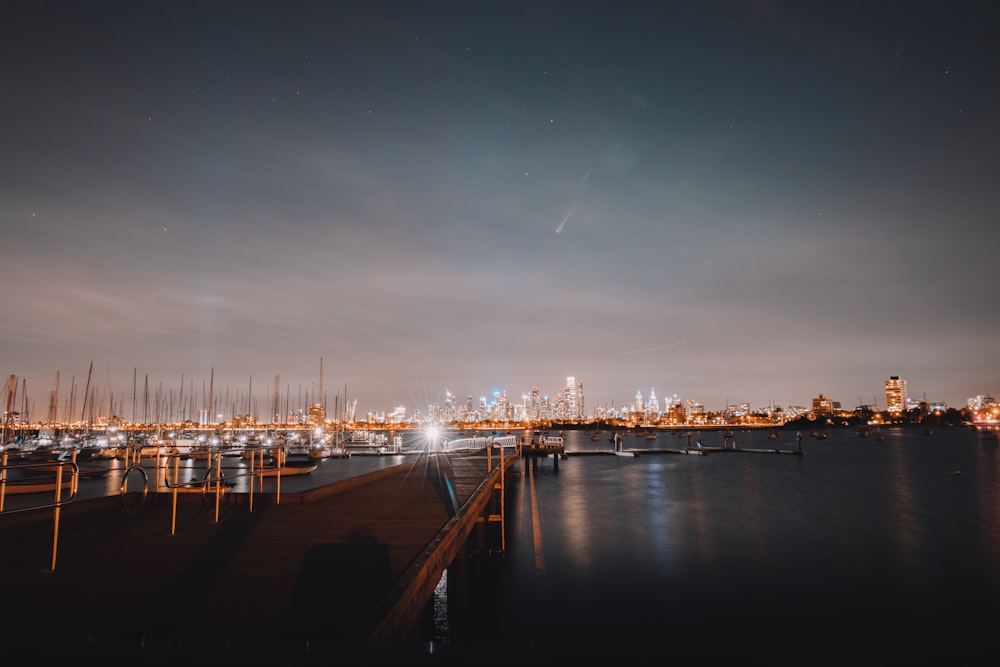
column 292, row 466
column 27, row 479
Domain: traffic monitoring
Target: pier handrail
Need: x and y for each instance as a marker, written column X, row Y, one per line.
column 387, row 622
column 57, row 504
column 56, row 476
column 213, row 484
column 123, row 485
column 479, row 442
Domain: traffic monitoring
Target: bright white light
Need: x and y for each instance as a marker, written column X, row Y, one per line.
column 433, row 433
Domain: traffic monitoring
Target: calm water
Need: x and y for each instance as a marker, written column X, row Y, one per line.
column 858, row 548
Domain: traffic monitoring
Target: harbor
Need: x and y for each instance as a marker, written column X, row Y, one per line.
column 334, row 556
column 423, row 556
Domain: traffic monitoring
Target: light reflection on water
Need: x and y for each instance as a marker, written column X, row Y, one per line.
column 714, row 553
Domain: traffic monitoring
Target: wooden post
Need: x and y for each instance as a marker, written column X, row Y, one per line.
column 503, row 525
column 3, row 478
column 281, row 462
column 250, row 478
column 218, row 482
column 55, row 534
column 173, row 511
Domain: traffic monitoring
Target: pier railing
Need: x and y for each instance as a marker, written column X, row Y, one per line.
column 40, row 477
column 49, row 473
column 479, row 442
column 265, row 461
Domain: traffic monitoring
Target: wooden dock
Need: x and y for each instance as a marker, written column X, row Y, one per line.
column 693, row 451
column 336, row 574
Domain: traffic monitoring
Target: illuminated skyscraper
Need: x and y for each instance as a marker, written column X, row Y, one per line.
column 895, row 395
column 653, row 404
column 638, row 406
column 573, row 398
column 534, row 405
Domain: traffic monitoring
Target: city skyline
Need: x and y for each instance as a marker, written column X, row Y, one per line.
column 149, row 400
column 734, row 202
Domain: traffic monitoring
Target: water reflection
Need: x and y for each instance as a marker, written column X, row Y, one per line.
column 735, row 554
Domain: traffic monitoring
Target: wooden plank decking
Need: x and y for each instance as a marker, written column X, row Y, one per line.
column 333, row 573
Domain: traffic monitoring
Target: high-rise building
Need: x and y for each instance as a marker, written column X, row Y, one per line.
column 638, row 405
column 895, row 395
column 676, row 414
column 573, row 397
column 581, row 403
column 653, row 404
column 534, row 405
column 822, row 405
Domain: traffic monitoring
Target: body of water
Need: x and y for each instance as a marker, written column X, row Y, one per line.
column 858, row 549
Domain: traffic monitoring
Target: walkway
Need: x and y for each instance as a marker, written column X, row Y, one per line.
column 323, row 574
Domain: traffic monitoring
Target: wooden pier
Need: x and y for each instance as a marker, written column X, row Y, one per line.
column 337, row 574
column 541, row 446
column 692, row 451
column 698, row 449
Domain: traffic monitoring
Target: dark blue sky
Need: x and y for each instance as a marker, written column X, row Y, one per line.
column 727, row 201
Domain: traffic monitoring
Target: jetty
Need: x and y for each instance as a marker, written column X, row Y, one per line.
column 691, row 451
column 338, row 574
column 697, row 449
column 541, row 445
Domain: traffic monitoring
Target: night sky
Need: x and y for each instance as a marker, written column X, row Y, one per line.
column 733, row 202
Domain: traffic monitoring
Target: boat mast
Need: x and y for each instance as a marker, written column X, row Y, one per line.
column 54, row 403
column 181, row 412
column 86, row 392
column 24, row 402
column 70, row 406
column 11, row 386
column 211, row 388
column 276, row 400
column 134, row 371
